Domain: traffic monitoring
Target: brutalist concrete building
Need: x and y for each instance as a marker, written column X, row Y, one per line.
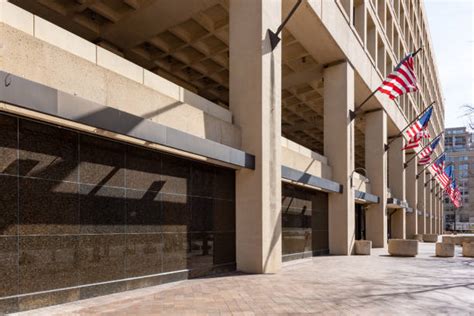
column 148, row 141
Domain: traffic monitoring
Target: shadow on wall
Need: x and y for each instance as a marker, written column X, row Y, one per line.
column 78, row 209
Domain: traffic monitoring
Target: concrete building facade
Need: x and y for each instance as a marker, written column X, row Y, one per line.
column 459, row 144
column 148, row 141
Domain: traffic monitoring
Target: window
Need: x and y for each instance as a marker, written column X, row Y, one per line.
column 463, row 166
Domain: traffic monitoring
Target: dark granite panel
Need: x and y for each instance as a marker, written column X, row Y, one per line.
column 48, row 207
column 320, row 240
column 173, row 277
column 48, row 262
column 202, row 180
column 200, row 254
column 202, row 210
column 8, row 305
column 102, row 209
column 144, row 282
column 175, row 175
column 101, row 258
column 224, row 216
column 102, row 161
column 48, row 152
column 176, row 213
column 8, row 266
column 224, row 184
column 103, row 289
column 8, row 205
column 296, row 218
column 296, row 241
column 143, row 168
column 320, row 220
column 8, row 145
column 143, row 211
column 48, row 299
column 144, row 254
column 224, row 248
column 175, row 248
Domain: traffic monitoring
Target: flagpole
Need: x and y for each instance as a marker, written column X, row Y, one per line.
column 418, row 174
column 353, row 113
column 405, row 165
column 436, row 175
column 406, row 127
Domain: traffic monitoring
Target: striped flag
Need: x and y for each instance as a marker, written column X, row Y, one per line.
column 420, row 124
column 425, row 157
column 401, row 80
column 438, row 166
column 444, row 176
column 414, row 142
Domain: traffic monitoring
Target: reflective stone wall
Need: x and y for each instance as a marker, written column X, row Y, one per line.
column 305, row 222
column 83, row 216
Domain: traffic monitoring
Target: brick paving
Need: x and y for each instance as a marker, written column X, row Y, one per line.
column 378, row 284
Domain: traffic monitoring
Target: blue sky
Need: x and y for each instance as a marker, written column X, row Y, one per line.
column 452, row 32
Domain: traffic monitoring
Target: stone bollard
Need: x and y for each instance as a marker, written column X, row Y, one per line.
column 449, row 240
column 403, row 247
column 363, row 247
column 418, row 237
column 430, row 238
column 468, row 249
column 444, row 249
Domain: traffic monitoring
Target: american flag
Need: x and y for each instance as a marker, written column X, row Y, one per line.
column 438, row 165
column 454, row 194
column 401, row 80
column 420, row 124
column 425, row 157
column 414, row 142
column 444, row 176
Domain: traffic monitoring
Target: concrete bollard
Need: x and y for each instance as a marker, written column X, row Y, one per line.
column 468, row 249
column 363, row 247
column 430, row 238
column 449, row 240
column 444, row 250
column 418, row 237
column 403, row 247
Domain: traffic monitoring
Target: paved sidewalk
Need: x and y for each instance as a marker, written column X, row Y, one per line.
column 378, row 284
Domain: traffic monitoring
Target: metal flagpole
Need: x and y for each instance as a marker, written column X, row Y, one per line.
column 418, row 174
column 406, row 127
column 274, row 38
column 353, row 114
column 416, row 154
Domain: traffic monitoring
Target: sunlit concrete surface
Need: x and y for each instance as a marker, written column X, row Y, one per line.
column 376, row 284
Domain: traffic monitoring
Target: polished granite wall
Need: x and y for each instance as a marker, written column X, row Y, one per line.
column 304, row 222
column 83, row 216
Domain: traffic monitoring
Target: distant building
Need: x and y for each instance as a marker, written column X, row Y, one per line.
column 459, row 144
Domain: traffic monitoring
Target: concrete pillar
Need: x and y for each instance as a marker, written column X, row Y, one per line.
column 421, row 202
column 441, row 211
column 376, row 166
column 255, row 100
column 435, row 209
column 396, row 178
column 338, row 100
column 412, row 199
column 429, row 219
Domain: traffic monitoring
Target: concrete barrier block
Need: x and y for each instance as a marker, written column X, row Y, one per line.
column 418, row 237
column 363, row 247
column 403, row 247
column 449, row 240
column 468, row 249
column 444, row 249
column 466, row 239
column 430, row 237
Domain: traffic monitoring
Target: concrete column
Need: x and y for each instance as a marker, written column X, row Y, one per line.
column 412, row 199
column 338, row 100
column 435, row 210
column 421, row 203
column 376, row 166
column 255, row 100
column 441, row 208
column 396, row 184
column 429, row 219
